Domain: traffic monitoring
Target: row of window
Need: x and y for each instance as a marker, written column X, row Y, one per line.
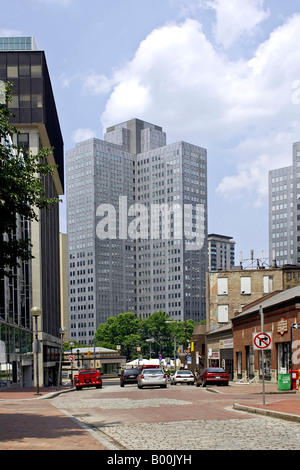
column 245, row 285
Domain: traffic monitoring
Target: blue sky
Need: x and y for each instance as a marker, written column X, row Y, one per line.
column 221, row 74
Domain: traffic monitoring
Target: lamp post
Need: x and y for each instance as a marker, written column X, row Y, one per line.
column 36, row 312
column 150, row 341
column 71, row 344
column 62, row 332
column 175, row 339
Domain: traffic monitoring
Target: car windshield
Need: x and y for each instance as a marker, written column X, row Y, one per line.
column 88, row 372
column 184, row 372
column 215, row 369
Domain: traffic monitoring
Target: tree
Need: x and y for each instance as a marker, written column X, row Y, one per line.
column 130, row 332
column 124, row 329
column 21, row 188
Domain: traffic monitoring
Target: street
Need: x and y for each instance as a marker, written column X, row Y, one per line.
column 181, row 417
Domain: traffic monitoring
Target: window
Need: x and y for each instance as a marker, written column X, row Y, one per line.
column 245, row 285
column 23, row 139
column 268, row 284
column 222, row 286
column 222, row 313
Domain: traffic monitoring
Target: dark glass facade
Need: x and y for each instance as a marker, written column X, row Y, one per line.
column 34, row 111
column 33, row 100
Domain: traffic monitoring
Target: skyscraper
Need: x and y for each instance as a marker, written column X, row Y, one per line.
column 38, row 282
column 137, row 227
column 221, row 252
column 284, row 212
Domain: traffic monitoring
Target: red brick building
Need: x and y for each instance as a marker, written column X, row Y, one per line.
column 281, row 318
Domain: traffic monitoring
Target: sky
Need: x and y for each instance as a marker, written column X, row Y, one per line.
column 221, row 74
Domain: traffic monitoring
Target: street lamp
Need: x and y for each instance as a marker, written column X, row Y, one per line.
column 36, row 312
column 168, row 322
column 150, row 341
column 62, row 332
column 71, row 344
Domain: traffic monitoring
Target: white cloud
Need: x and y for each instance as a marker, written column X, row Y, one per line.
column 96, row 84
column 244, row 110
column 82, row 134
column 235, row 18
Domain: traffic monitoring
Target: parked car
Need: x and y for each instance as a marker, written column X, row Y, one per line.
column 88, row 378
column 152, row 377
column 182, row 376
column 212, row 375
column 129, row 376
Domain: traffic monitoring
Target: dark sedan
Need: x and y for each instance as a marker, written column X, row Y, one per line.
column 129, row 376
column 212, row 375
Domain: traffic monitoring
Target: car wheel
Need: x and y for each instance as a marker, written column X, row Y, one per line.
column 121, row 385
column 197, row 384
column 164, row 386
column 140, row 386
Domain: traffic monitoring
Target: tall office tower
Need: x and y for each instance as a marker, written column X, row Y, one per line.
column 221, row 252
column 38, row 282
column 284, row 212
column 137, row 227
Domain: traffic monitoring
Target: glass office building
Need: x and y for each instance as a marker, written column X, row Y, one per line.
column 36, row 283
column 128, row 250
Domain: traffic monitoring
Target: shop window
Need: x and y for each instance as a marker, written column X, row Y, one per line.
column 239, row 364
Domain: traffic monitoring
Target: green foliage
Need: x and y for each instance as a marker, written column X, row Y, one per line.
column 21, row 188
column 131, row 332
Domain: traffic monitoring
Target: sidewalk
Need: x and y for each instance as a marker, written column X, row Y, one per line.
column 30, row 422
column 280, row 404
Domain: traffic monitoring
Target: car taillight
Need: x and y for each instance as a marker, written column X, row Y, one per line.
column 165, row 376
column 142, row 376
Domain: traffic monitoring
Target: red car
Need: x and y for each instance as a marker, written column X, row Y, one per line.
column 88, row 378
column 212, row 375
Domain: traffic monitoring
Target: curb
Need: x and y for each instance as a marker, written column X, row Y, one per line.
column 261, row 411
column 56, row 393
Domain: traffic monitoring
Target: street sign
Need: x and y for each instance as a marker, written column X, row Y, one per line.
column 262, row 341
column 71, row 358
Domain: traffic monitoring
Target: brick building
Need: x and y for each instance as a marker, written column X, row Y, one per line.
column 228, row 292
column 281, row 313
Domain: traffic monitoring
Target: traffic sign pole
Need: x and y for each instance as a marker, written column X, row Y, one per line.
column 263, row 355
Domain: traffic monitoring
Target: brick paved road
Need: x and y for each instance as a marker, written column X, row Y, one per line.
column 181, row 417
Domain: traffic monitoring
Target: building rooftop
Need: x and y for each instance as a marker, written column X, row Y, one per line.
column 20, row 43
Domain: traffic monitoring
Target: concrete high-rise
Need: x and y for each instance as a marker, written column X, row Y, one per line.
column 284, row 212
column 221, row 252
column 137, row 227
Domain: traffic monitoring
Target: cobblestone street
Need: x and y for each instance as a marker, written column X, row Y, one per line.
column 252, row 434
column 179, row 418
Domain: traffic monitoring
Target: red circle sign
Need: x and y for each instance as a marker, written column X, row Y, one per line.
column 262, row 340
